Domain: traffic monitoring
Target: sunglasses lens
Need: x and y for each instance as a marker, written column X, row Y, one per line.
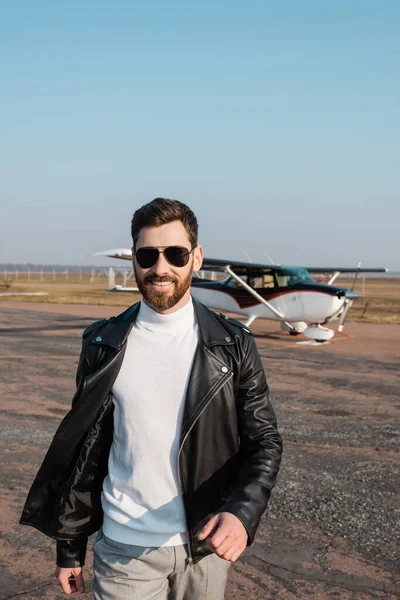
column 147, row 257
column 177, row 255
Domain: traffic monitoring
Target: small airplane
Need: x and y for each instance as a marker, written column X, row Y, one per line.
column 286, row 294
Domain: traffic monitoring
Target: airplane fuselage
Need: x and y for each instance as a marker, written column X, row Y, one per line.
column 312, row 304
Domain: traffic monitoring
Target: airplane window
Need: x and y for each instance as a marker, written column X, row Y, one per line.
column 265, row 281
column 268, row 281
column 233, row 283
column 283, row 280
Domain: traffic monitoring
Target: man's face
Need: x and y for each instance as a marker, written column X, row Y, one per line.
column 164, row 287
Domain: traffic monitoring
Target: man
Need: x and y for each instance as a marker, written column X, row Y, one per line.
column 171, row 446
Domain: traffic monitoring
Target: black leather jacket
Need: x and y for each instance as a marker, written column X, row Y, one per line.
column 230, row 448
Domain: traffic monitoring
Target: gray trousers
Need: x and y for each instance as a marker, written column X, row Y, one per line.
column 125, row 572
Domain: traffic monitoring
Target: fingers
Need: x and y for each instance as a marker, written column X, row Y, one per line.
column 225, row 536
column 229, row 548
column 63, row 580
column 80, row 583
column 219, row 538
column 226, row 542
column 223, row 547
column 232, row 554
column 228, row 555
column 209, row 527
column 72, row 584
column 71, row 580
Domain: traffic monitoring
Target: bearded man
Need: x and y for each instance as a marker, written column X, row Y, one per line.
column 170, row 448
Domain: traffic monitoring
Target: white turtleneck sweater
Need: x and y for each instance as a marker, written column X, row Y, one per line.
column 141, row 498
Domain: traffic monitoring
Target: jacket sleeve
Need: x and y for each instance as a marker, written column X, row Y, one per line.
column 71, row 553
column 260, row 444
column 83, row 368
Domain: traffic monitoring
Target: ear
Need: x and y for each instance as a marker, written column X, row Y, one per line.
column 133, row 259
column 198, row 256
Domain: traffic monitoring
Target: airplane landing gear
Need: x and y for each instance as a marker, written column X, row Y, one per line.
column 297, row 327
column 318, row 333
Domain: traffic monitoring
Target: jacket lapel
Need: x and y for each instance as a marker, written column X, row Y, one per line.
column 116, row 330
column 209, row 373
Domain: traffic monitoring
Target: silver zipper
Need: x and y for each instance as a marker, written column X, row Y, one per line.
column 190, row 560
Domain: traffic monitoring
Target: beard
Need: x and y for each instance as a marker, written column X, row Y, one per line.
column 159, row 300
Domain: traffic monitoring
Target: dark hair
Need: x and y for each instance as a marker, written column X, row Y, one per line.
column 161, row 211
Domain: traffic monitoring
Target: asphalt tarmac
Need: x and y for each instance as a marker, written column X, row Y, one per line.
column 333, row 524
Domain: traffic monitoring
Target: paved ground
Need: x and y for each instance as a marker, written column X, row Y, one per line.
column 333, row 529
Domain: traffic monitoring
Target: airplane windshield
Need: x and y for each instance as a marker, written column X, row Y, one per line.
column 289, row 276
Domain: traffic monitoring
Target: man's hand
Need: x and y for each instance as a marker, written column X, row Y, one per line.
column 225, row 535
column 71, row 579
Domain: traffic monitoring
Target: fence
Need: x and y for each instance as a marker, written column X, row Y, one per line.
column 71, row 275
column 84, row 276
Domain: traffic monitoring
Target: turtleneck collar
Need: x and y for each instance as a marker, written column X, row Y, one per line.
column 170, row 324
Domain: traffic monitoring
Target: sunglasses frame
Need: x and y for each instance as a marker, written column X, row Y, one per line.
column 189, row 252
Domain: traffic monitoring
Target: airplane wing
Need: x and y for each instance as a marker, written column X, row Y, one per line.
column 346, row 269
column 217, row 264
column 122, row 253
column 240, row 267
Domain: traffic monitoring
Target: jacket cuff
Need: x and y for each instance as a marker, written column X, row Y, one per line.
column 71, row 553
column 250, row 524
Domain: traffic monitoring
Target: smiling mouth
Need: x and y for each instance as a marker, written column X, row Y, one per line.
column 161, row 283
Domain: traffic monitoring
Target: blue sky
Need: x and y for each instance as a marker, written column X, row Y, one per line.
column 278, row 123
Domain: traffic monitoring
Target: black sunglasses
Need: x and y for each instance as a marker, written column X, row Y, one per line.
column 177, row 256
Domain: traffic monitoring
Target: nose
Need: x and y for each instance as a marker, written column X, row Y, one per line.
column 162, row 266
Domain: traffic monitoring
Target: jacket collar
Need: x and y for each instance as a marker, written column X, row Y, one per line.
column 115, row 331
column 211, row 331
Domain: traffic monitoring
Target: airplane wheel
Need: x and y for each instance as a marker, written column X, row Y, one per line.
column 318, row 334
column 294, row 333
